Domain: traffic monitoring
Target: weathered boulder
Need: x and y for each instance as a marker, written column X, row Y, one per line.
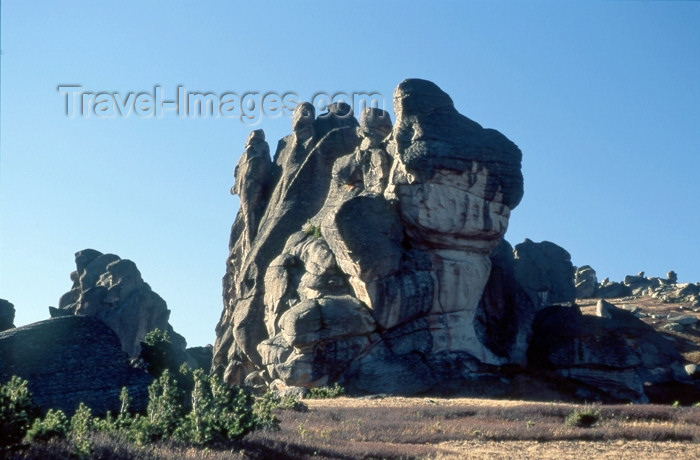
column 7, row 315
column 70, row 360
column 693, row 371
column 637, row 284
column 111, row 289
column 612, row 290
column 379, row 261
column 615, row 356
column 586, row 282
column 545, row 272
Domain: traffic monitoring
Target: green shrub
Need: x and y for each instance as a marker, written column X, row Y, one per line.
column 326, row 392
column 583, row 418
column 16, row 411
column 157, row 352
column 218, row 413
column 81, row 425
column 53, row 425
column 164, row 411
column 312, row 230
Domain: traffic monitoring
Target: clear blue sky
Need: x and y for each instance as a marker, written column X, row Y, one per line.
column 603, row 98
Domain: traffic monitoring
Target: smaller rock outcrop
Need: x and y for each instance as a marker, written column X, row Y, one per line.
column 7, row 315
column 667, row 289
column 546, row 273
column 111, row 289
column 612, row 290
column 586, row 282
column 70, row 360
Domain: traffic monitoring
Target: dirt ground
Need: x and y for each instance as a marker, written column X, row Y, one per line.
column 579, row 450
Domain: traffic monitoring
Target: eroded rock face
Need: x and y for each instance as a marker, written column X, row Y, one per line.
column 586, row 282
column 69, row 360
column 375, row 262
column 111, row 289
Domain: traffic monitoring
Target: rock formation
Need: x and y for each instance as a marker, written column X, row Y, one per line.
column 372, row 255
column 610, row 355
column 7, row 315
column 666, row 289
column 545, row 272
column 586, row 282
column 111, row 289
column 379, row 260
column 69, row 360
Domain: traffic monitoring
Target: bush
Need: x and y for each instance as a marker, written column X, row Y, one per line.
column 81, row 425
column 326, row 392
column 583, row 418
column 53, row 425
column 312, row 230
column 163, row 414
column 218, row 413
column 16, row 411
column 158, row 353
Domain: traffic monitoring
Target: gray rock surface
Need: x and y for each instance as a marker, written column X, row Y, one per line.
column 616, row 356
column 612, row 290
column 586, row 282
column 111, row 289
column 546, row 273
column 375, row 262
column 70, row 360
column 7, row 315
column 666, row 289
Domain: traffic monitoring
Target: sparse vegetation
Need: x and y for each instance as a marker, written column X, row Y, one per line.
column 312, row 230
column 393, row 428
column 215, row 414
column 326, row 392
column 17, row 411
column 582, row 418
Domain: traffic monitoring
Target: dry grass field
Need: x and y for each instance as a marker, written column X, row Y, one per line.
column 476, row 428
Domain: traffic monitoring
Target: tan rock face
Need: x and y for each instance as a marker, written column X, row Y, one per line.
column 452, row 210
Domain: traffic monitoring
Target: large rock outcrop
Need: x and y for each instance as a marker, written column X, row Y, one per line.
column 70, row 360
column 378, row 259
column 111, row 289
